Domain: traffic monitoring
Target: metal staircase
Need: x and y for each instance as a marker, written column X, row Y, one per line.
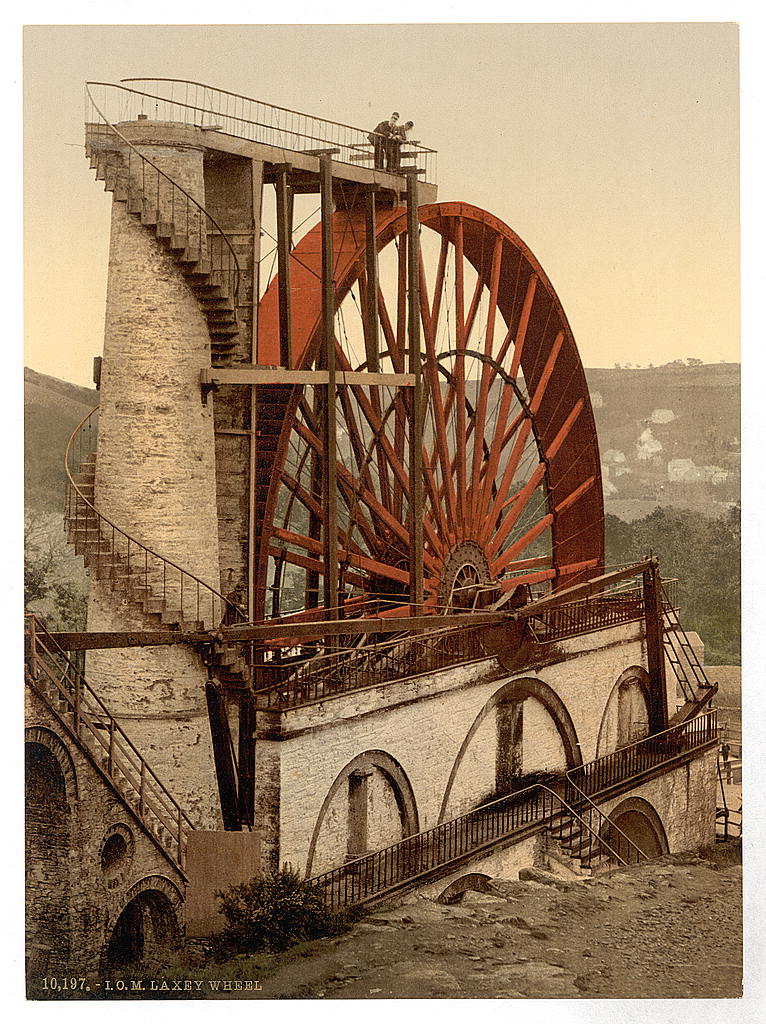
column 694, row 689
column 56, row 680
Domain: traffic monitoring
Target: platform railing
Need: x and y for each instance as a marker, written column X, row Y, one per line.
column 201, row 105
column 59, row 683
column 282, row 686
column 641, row 756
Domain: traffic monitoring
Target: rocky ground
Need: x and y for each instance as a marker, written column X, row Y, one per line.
column 668, row 929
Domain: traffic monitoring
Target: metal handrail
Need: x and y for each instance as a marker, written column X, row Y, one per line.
column 370, row 665
column 226, row 605
column 407, row 855
column 705, row 723
column 334, row 128
column 91, row 714
column 175, row 185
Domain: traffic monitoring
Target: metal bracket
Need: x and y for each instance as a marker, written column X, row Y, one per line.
column 206, row 383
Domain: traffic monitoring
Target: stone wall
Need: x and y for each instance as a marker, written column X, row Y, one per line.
column 438, row 728
column 65, row 857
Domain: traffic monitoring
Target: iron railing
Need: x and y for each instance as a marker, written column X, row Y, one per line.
column 194, row 103
column 283, row 686
column 122, row 562
column 126, row 170
column 641, row 756
column 572, row 818
column 588, row 615
column 59, row 683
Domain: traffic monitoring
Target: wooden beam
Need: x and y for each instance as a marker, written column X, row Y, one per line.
column 371, row 295
column 577, row 592
column 329, row 462
column 416, row 403
column 284, row 245
column 360, row 627
column 246, row 375
column 252, row 525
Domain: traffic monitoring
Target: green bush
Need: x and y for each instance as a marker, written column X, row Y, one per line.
column 275, row 912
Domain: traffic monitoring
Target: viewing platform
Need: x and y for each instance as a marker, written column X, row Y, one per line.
column 241, row 126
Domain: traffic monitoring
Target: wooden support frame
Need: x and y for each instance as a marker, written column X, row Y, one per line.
column 330, row 468
column 284, row 245
column 655, row 648
column 252, row 525
column 416, row 403
column 371, row 270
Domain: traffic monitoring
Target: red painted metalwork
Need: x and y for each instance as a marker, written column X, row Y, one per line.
column 510, row 457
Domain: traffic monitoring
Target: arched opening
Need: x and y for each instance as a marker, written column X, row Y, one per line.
column 145, row 930
column 626, row 715
column 523, row 731
column 638, row 820
column 370, row 805
column 48, row 844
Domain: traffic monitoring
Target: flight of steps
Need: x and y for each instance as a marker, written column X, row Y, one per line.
column 212, row 286
column 575, row 848
column 129, row 579
column 160, row 822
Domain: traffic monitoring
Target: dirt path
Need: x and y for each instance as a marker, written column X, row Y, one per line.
column 661, row 930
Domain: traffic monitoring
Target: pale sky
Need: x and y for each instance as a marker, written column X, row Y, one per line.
column 611, row 149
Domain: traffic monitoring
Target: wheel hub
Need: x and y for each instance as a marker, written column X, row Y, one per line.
column 466, row 572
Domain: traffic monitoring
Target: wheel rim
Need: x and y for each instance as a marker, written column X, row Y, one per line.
column 511, row 480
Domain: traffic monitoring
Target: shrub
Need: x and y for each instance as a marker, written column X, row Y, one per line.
column 274, row 912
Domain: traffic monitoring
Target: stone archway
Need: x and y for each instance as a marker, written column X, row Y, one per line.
column 147, row 925
column 346, row 807
column 50, row 785
column 503, row 700
column 640, row 822
column 626, row 716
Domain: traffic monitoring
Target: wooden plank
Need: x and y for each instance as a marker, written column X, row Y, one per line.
column 244, row 374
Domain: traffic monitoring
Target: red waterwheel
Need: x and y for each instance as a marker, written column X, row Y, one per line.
column 511, row 480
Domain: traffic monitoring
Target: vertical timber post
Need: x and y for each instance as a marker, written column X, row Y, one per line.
column 329, row 476
column 371, row 267
column 284, row 244
column 416, row 410
column 257, row 204
column 655, row 648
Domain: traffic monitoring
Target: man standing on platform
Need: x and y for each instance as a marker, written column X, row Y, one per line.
column 380, row 138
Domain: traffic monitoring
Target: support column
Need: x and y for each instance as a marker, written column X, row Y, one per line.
column 253, row 526
column 510, row 739
column 284, row 245
column 358, row 798
column 655, row 648
column 416, row 404
column 371, row 266
column 329, row 476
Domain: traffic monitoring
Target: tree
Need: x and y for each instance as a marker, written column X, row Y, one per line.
column 55, row 587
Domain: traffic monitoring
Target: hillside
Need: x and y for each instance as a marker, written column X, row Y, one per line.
column 668, row 435
column 52, row 410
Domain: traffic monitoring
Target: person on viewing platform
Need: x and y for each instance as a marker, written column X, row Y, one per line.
column 380, row 137
column 398, row 136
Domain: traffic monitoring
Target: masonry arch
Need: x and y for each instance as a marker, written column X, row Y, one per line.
column 50, row 786
column 370, row 804
column 148, row 924
column 640, row 822
column 60, row 751
column 626, row 713
column 504, row 705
